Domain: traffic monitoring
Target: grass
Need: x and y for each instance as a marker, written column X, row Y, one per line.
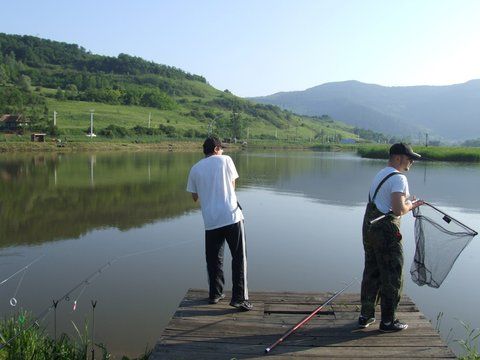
column 73, row 118
column 192, row 116
column 32, row 342
column 433, row 153
column 470, row 343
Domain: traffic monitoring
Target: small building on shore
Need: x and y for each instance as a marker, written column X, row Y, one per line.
column 38, row 137
column 13, row 123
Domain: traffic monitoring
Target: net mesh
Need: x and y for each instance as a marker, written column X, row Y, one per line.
column 439, row 241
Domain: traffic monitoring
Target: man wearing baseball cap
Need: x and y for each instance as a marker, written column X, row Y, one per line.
column 212, row 180
column 382, row 276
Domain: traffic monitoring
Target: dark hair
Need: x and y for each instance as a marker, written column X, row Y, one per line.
column 210, row 144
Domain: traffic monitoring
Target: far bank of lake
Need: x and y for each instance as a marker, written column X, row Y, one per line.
column 13, row 143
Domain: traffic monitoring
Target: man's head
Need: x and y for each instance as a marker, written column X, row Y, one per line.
column 402, row 156
column 211, row 145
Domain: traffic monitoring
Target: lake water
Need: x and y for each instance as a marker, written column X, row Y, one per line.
column 129, row 214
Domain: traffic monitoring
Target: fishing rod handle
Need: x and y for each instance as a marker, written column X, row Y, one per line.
column 373, row 221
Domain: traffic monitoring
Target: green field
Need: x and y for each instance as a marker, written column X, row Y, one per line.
column 40, row 77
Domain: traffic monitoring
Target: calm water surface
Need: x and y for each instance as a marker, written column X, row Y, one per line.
column 303, row 218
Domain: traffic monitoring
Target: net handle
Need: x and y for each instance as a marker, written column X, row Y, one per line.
column 440, row 211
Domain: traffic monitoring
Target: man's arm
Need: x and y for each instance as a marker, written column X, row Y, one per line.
column 400, row 204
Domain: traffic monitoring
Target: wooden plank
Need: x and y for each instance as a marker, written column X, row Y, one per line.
column 291, row 297
column 239, row 351
column 308, row 308
column 308, row 340
column 329, row 329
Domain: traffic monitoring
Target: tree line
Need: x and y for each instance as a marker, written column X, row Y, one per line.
column 32, row 69
column 40, row 53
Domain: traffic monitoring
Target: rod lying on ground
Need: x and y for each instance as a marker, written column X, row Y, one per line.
column 305, row 320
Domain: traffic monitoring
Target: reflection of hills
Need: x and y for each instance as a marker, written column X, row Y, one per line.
column 344, row 179
column 48, row 198
column 335, row 178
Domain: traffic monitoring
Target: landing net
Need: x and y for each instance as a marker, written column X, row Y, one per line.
column 439, row 241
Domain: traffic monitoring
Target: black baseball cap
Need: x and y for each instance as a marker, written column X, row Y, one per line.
column 404, row 149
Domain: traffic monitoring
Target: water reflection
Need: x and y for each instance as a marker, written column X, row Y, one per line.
column 344, row 179
column 303, row 219
column 49, row 197
column 56, row 196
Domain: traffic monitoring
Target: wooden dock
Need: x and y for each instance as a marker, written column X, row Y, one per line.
column 199, row 330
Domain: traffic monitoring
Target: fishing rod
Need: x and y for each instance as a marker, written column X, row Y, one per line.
column 306, row 319
column 22, row 269
column 87, row 281
column 373, row 221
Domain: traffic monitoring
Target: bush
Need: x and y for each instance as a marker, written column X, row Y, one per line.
column 194, row 133
column 114, row 131
column 142, row 130
column 168, row 130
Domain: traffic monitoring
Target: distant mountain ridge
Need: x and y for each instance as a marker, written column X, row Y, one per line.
column 451, row 112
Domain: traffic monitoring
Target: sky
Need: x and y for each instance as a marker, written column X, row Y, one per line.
column 260, row 47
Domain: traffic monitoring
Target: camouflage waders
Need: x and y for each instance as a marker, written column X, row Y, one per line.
column 382, row 275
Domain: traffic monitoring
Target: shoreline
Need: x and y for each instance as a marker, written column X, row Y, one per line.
column 26, row 147
column 173, row 146
column 369, row 151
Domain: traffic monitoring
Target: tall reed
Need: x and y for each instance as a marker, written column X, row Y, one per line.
column 33, row 342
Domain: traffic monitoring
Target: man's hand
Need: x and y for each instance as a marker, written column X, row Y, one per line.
column 416, row 203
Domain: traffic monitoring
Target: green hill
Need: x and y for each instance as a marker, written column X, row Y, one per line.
column 132, row 97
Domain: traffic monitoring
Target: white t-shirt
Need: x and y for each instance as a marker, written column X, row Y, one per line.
column 212, row 179
column 395, row 183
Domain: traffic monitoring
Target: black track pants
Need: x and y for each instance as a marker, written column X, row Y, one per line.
column 214, row 248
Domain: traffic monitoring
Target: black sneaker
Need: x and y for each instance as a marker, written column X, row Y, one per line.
column 392, row 326
column 364, row 322
column 216, row 299
column 244, row 305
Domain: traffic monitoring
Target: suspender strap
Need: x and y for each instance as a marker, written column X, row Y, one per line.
column 380, row 185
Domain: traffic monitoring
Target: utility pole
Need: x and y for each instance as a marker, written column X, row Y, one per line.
column 54, row 118
column 149, row 119
column 234, row 124
column 426, row 139
column 91, row 122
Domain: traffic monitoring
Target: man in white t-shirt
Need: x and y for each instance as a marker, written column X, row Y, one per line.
column 389, row 199
column 212, row 180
